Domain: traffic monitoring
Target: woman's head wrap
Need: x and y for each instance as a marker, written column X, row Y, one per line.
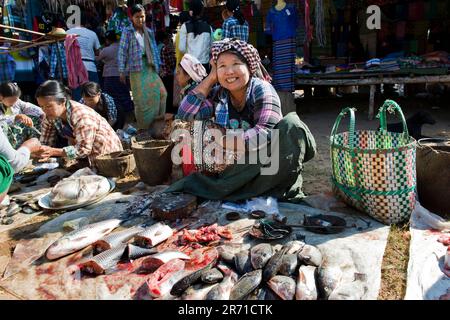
column 193, row 67
column 249, row 52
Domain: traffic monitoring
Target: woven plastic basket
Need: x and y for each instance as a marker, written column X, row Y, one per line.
column 375, row 171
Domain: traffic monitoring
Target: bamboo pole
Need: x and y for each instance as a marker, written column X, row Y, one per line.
column 14, row 40
column 23, row 30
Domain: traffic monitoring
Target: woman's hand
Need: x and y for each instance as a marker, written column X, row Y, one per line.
column 26, row 120
column 213, row 74
column 46, row 152
column 33, row 145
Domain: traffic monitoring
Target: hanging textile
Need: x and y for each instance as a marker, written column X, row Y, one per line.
column 119, row 21
column 320, row 24
column 308, row 31
column 7, row 67
column 58, row 64
column 77, row 73
column 156, row 12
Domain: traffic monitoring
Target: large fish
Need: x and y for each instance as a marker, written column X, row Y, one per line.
column 162, row 280
column 328, row 279
column 223, row 290
column 283, row 286
column 103, row 261
column 154, row 235
column 246, row 284
column 260, row 255
column 201, row 261
column 288, row 265
column 242, row 262
column 273, row 265
column 310, row 255
column 115, row 239
column 212, row 276
column 81, row 238
column 155, row 261
column 306, row 284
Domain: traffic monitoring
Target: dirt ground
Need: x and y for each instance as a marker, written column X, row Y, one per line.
column 319, row 114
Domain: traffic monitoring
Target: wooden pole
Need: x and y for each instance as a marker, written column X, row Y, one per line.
column 23, row 30
column 15, row 40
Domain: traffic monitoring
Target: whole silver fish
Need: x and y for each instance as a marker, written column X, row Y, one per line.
column 223, row 289
column 288, row 265
column 283, row 286
column 310, row 255
column 103, row 261
column 246, row 284
column 306, row 284
column 295, row 246
column 135, row 252
column 80, row 238
column 115, row 239
column 154, row 235
column 273, row 265
column 212, row 276
column 198, row 291
column 260, row 255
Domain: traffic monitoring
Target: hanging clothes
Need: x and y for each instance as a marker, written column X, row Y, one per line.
column 78, row 74
column 156, row 13
column 119, row 21
column 7, row 67
column 58, row 61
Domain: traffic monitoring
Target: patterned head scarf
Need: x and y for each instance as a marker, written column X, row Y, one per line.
column 249, row 52
column 193, row 67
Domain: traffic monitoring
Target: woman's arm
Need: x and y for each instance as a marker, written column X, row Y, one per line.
column 122, row 56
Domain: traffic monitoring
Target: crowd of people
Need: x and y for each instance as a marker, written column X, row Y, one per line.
column 223, row 85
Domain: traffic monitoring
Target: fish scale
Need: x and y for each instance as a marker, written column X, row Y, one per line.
column 104, row 261
column 114, row 239
column 246, row 284
column 135, row 252
column 154, row 235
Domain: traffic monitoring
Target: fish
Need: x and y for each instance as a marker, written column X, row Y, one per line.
column 242, row 262
column 273, row 265
column 80, row 238
column 257, row 294
column 310, row 255
column 306, row 284
column 289, row 265
column 212, row 276
column 153, row 262
column 103, row 261
column 260, row 255
column 283, row 286
column 354, row 290
column 198, row 291
column 201, row 261
column 328, row 279
column 115, row 239
column 154, row 235
column 295, row 246
column 226, row 254
column 162, row 280
column 270, row 295
column 246, row 284
column 77, row 190
column 135, row 252
column 223, row 290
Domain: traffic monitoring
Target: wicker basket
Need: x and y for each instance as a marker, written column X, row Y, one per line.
column 117, row 164
column 375, row 171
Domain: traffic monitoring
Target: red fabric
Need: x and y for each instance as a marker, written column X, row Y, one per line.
column 78, row 74
column 416, row 11
column 177, row 4
column 188, row 161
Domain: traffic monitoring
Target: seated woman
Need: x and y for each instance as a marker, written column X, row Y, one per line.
column 89, row 134
column 103, row 103
column 249, row 108
column 19, row 120
column 190, row 72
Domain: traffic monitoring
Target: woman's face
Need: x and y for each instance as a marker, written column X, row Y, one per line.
column 52, row 109
column 8, row 101
column 182, row 77
column 92, row 101
column 139, row 19
column 232, row 73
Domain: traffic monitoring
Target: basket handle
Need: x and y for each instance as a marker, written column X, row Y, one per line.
column 351, row 130
column 392, row 107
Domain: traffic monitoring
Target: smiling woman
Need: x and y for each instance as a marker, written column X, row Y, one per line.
column 88, row 133
column 249, row 107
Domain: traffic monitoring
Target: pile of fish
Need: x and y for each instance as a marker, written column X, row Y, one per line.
column 76, row 190
column 26, row 204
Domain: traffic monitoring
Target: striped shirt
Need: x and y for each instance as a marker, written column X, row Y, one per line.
column 92, row 133
column 232, row 29
column 111, row 110
column 261, row 99
column 8, row 115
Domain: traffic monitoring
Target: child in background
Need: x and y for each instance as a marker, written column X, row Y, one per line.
column 168, row 64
